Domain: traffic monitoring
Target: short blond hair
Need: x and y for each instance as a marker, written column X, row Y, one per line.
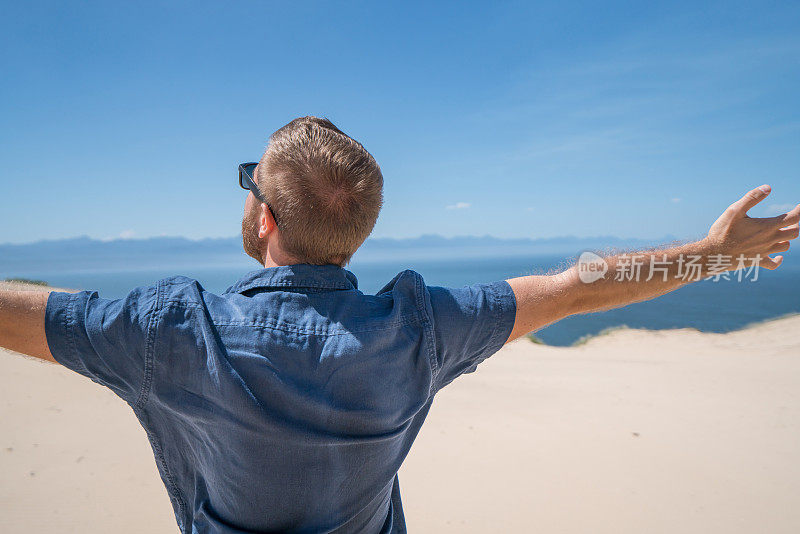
column 325, row 188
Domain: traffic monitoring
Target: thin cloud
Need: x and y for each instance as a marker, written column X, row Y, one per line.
column 125, row 234
column 458, row 206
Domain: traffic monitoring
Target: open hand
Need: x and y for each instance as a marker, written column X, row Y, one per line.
column 736, row 234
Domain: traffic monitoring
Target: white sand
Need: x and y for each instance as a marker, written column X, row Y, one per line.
column 636, row 431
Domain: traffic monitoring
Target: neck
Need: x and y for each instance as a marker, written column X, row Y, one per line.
column 273, row 258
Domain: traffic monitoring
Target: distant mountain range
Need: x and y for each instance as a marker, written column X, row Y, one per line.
column 84, row 252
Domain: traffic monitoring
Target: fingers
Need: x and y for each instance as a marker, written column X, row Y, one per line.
column 790, row 232
column 750, row 199
column 770, row 263
column 789, row 218
column 781, row 246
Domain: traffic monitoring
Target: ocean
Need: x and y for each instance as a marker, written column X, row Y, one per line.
column 707, row 306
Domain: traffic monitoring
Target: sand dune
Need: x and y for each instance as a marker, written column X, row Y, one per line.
column 635, row 431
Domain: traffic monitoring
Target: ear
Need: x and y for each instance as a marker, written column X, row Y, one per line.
column 267, row 222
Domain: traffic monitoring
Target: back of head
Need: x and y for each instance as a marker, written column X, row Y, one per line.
column 325, row 188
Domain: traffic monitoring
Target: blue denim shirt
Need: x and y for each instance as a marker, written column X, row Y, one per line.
column 288, row 402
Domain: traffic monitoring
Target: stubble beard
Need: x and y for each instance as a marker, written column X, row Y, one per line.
column 253, row 246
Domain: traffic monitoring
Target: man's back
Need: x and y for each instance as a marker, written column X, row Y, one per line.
column 289, row 402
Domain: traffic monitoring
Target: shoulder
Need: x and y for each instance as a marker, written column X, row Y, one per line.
column 180, row 289
column 405, row 284
column 402, row 280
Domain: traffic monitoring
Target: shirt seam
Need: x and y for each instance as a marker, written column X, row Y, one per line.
column 70, row 324
column 149, row 363
column 500, row 309
column 427, row 326
column 321, row 285
column 162, row 462
column 391, row 326
column 184, row 303
column 295, row 330
column 498, row 312
column 145, row 395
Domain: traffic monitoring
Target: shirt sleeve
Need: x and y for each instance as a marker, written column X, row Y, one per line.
column 470, row 324
column 102, row 339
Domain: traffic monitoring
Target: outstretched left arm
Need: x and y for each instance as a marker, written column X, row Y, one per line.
column 22, row 323
column 542, row 299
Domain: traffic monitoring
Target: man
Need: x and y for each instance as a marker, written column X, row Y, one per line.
column 289, row 402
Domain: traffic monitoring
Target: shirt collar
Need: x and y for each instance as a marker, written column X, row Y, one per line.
column 297, row 275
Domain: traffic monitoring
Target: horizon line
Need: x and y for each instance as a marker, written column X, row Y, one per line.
column 420, row 236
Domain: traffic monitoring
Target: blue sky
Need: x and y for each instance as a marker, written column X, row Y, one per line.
column 515, row 120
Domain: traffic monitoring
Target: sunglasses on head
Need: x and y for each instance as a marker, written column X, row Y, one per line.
column 247, row 182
